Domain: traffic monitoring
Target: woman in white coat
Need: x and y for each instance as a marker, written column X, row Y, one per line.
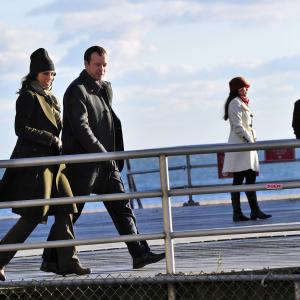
column 243, row 165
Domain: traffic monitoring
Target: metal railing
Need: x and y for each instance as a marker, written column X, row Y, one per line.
column 165, row 193
column 187, row 166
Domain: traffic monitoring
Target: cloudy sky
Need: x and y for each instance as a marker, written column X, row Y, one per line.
column 170, row 62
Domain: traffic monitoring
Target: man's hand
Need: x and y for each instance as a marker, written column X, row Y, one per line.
column 110, row 166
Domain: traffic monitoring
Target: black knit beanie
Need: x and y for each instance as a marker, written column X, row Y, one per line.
column 40, row 62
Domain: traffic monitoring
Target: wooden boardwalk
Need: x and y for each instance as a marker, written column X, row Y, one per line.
column 192, row 255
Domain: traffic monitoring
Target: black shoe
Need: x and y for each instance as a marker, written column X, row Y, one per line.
column 77, row 269
column 240, row 217
column 2, row 274
column 146, row 259
column 49, row 267
column 259, row 215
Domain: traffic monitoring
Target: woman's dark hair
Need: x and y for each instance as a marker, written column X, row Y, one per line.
column 88, row 53
column 231, row 96
column 26, row 81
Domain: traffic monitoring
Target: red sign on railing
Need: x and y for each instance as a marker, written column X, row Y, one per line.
column 220, row 159
column 284, row 154
column 274, row 186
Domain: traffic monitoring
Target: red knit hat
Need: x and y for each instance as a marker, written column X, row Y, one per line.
column 238, row 83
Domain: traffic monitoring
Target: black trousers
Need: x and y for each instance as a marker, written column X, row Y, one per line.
column 62, row 229
column 238, row 178
column 108, row 182
column 248, row 175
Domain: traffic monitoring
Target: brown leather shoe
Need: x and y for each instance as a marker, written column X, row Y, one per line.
column 2, row 274
column 78, row 270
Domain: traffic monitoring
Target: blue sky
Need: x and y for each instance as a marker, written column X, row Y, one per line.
column 170, row 62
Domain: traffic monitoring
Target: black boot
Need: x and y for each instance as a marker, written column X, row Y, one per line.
column 256, row 213
column 146, row 259
column 236, row 205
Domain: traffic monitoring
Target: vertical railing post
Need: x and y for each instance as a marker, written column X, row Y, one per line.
column 167, row 218
column 131, row 185
column 189, row 181
column 189, row 175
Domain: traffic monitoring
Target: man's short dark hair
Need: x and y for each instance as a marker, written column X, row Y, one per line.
column 88, row 53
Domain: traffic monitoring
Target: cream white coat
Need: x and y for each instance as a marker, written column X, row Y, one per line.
column 241, row 131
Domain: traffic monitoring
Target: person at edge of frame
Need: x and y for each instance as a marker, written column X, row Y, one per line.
column 91, row 126
column 296, row 119
column 37, row 126
column 243, row 165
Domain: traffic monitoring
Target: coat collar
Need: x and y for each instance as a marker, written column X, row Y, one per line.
column 90, row 82
column 95, row 88
column 244, row 105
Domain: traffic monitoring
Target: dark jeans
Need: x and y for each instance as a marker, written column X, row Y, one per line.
column 62, row 229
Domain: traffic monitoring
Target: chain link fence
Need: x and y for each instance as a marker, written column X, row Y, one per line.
column 269, row 284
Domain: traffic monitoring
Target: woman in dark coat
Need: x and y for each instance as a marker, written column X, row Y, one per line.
column 38, row 125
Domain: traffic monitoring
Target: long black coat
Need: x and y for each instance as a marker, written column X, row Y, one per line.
column 35, row 127
column 90, row 126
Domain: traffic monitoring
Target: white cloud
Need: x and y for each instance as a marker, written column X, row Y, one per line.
column 15, row 48
column 153, row 87
column 109, row 17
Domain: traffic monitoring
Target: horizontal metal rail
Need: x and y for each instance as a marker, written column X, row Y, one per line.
column 170, row 151
column 203, row 166
column 79, row 199
column 151, row 194
column 236, row 188
column 155, row 236
column 237, row 230
column 230, row 184
column 158, row 279
column 65, row 243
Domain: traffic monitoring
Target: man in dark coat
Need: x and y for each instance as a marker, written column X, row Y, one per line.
column 296, row 119
column 91, row 126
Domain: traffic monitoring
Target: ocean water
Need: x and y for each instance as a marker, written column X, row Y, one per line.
column 200, row 176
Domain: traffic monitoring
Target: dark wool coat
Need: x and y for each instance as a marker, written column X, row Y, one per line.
column 36, row 126
column 90, row 126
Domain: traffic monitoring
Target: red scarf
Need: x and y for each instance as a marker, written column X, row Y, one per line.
column 245, row 99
